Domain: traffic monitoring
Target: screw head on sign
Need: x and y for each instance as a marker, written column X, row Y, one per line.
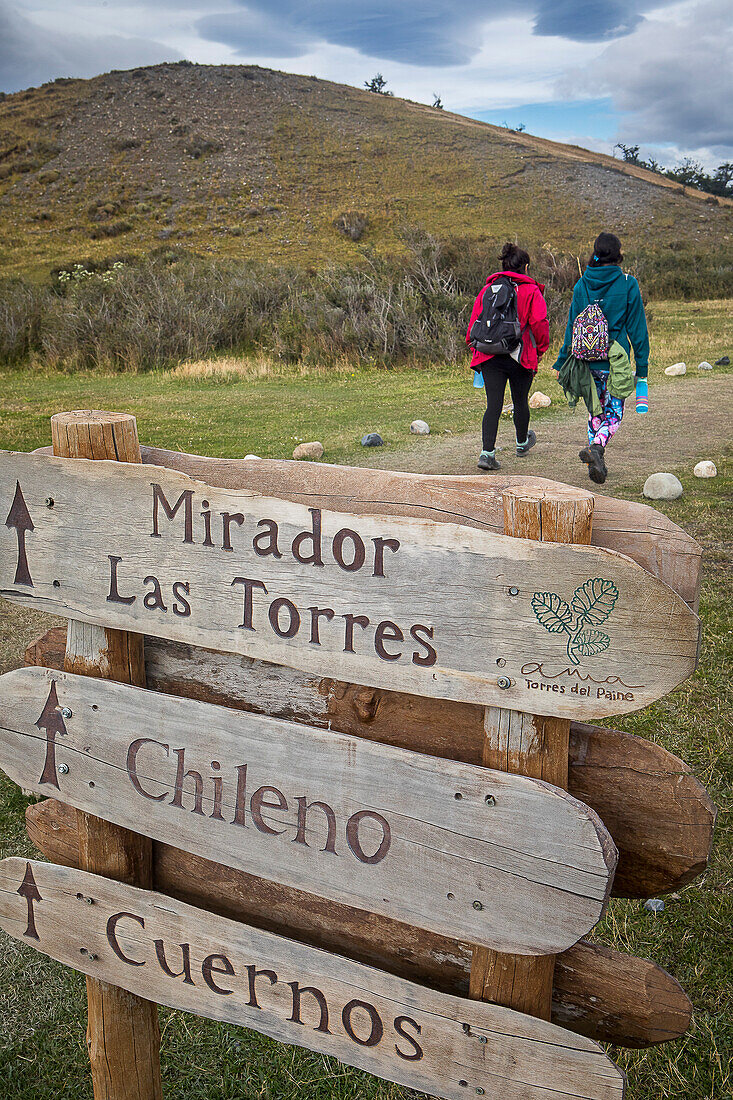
column 89, row 901
column 482, row 1039
column 66, row 712
column 49, row 502
column 64, row 769
column 513, row 591
column 504, row 682
column 477, row 905
column 489, row 800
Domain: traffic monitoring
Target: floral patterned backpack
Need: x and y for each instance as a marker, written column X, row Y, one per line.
column 590, row 334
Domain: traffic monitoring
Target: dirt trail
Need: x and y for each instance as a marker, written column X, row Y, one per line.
column 687, row 421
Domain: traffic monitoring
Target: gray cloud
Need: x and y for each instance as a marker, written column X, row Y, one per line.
column 673, row 80
column 436, row 33
column 31, row 55
column 589, row 20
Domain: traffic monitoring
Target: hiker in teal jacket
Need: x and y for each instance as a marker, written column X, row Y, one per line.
column 619, row 298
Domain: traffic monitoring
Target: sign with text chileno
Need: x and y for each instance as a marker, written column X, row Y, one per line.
column 431, row 609
column 174, row 954
column 484, row 856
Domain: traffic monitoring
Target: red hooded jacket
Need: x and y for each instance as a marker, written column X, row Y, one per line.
column 532, row 310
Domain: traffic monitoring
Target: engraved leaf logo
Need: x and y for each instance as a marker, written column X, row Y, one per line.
column 590, row 642
column 594, row 601
column 552, row 612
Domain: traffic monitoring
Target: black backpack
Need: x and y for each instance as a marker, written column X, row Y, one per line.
column 496, row 331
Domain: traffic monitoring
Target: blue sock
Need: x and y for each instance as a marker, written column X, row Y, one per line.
column 523, row 444
column 489, row 454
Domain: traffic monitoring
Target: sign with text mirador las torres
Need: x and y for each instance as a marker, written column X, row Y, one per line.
column 431, row 609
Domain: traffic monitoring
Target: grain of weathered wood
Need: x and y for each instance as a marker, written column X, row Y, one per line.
column 528, row 744
column 647, row 536
column 383, row 829
column 598, row 991
column 615, row 773
column 123, row 1035
column 428, row 608
column 420, row 1038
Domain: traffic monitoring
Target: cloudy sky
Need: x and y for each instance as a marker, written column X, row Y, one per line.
column 592, row 72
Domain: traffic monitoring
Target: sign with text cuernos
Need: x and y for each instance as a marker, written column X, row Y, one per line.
column 178, row 955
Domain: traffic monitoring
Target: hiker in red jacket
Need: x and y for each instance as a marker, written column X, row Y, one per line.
column 518, row 367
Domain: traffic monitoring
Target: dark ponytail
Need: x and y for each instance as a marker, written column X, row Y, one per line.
column 606, row 250
column 513, row 258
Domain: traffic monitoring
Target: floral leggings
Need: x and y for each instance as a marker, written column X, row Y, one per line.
column 601, row 428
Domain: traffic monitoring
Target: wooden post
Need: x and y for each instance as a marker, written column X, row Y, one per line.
column 527, row 744
column 123, row 1034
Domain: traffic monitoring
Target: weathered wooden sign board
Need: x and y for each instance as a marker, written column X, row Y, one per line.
column 485, row 856
column 174, row 954
column 432, row 609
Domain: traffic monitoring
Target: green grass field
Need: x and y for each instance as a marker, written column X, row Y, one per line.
column 42, row 1005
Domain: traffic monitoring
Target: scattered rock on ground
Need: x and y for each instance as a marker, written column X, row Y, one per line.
column 676, row 368
column 419, row 427
column 507, row 410
column 704, row 365
column 309, row 450
column 655, row 905
column 706, row 468
column 724, row 361
column 539, row 400
column 662, row 487
column 372, row 439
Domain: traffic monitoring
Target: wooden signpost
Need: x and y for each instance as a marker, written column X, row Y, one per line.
column 166, row 951
column 433, row 609
column 338, row 814
column 484, row 856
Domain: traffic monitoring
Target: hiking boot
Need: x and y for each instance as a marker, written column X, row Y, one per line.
column 594, row 456
column 487, row 462
column 524, row 447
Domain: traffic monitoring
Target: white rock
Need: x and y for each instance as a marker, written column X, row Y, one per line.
column 539, row 400
column 676, row 368
column 662, row 487
column 308, row 450
column 706, row 468
column 704, row 365
column 419, row 427
column 251, row 456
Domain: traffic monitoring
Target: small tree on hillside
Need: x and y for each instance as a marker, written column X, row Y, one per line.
column 689, row 173
column 378, row 85
column 630, row 153
column 723, row 177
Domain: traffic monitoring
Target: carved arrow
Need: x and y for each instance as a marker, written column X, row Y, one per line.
column 53, row 724
column 31, row 893
column 19, row 518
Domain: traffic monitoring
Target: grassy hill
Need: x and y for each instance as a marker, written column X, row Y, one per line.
column 247, row 162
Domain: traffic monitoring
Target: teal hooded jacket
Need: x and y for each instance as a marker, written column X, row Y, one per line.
column 619, row 297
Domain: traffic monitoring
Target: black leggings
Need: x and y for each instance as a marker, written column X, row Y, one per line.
column 497, row 371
